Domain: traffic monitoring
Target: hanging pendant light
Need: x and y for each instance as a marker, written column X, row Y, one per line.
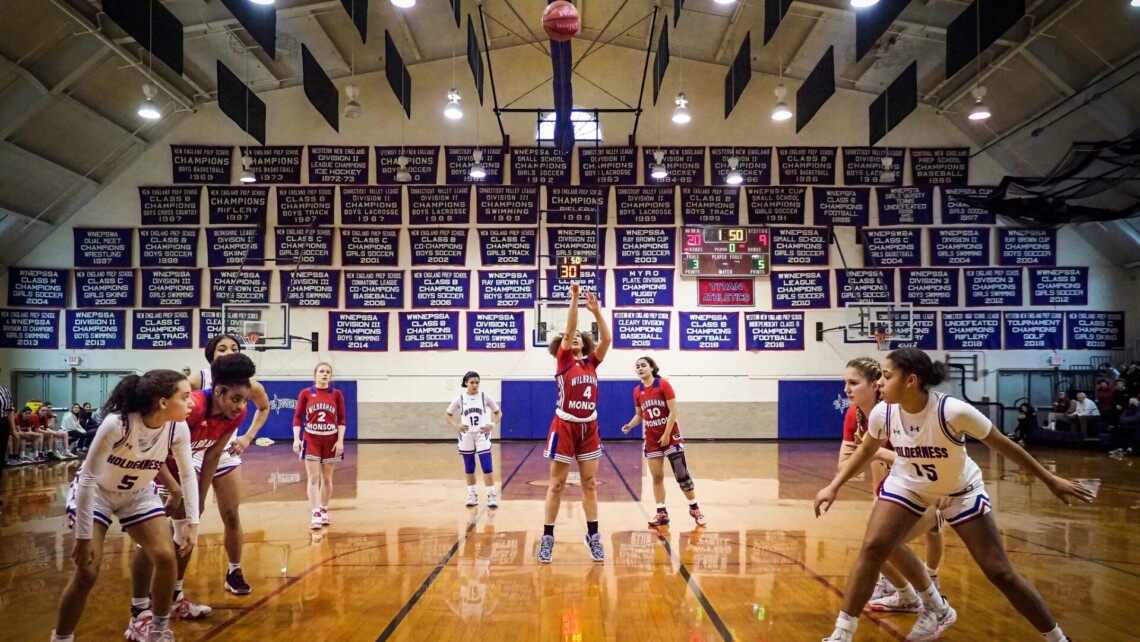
column 402, row 173
column 453, row 110
column 681, row 114
column 657, row 170
column 734, row 177
column 247, row 175
column 781, row 111
column 477, row 170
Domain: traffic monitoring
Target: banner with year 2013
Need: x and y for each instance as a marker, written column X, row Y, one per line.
column 1043, row 330
column 710, row 330
column 162, row 329
column 37, row 287
column 773, row 330
column 971, row 330
column 29, row 329
column 105, row 288
column 373, row 289
column 103, row 247
column 507, row 289
column 358, row 331
column 495, row 331
column 641, row 329
column 96, row 329
column 644, row 287
column 1094, row 330
column 429, row 331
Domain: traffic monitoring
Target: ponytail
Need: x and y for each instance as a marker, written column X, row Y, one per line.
column 141, row 393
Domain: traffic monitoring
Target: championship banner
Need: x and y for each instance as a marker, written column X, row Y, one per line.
column 168, row 247
column 1094, row 330
column 105, row 288
column 373, row 289
column 540, row 166
column 311, row 288
column 429, row 331
column 1059, row 286
column 649, row 205
column 172, row 288
column 238, row 205
column 783, row 205
column 459, row 160
column 710, row 205
column 363, row 246
column 753, row 163
column 507, row 289
column 170, row 205
column 710, row 330
column 507, row 205
column 303, row 245
column 370, row 205
column 801, row 289
column 37, row 287
column 645, row 287
column 896, row 247
column 930, row 287
column 841, row 206
column 864, row 165
column 993, row 286
column 727, row 292
column 210, row 325
column 1023, row 246
column 305, row 205
column 800, row 246
column 423, row 164
column 940, row 166
column 773, row 330
column 955, row 211
column 509, row 246
column 592, row 280
column 238, row 286
column 441, row 288
column 495, row 331
column 103, row 247
column 587, row 242
column 96, row 329
column 646, row 246
column 439, row 205
column 686, row 165
column 806, row 165
column 1034, row 330
column 641, row 330
column 29, row 329
column 235, row 246
column 971, row 330
column 276, row 165
column 924, row 335
column 439, row 246
column 960, row 246
column 578, row 205
column 201, row 164
column 870, row 284
column 358, row 331
column 338, row 165
column 905, row 205
column 156, row 329
column 607, row 165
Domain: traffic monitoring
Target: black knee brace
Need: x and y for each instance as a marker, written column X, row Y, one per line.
column 681, row 471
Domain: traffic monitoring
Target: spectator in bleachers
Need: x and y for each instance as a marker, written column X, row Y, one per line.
column 1084, row 409
column 73, row 426
column 1026, row 423
column 1119, row 403
column 1108, row 372
column 1129, row 430
column 28, row 432
column 1131, row 377
column 7, row 427
column 49, row 426
column 88, row 421
column 186, row 371
column 1102, row 394
column 1063, row 407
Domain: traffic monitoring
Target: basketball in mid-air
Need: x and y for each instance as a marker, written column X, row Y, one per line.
column 561, row 21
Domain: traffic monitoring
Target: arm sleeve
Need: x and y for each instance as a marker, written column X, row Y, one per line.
column 849, row 424
column 180, row 448
column 341, row 415
column 454, row 407
column 966, row 419
column 299, row 414
column 667, row 390
column 877, row 423
column 110, row 432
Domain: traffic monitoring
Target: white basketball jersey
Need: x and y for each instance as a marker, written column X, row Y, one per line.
column 931, row 445
column 473, row 410
column 136, row 452
column 207, row 378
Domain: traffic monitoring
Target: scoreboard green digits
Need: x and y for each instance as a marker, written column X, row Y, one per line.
column 726, row 251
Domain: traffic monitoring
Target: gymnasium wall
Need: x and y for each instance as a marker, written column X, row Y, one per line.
column 402, row 394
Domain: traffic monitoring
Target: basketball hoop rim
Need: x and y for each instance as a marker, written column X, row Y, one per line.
column 883, row 340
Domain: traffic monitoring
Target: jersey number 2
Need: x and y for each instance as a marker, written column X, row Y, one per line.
column 927, row 470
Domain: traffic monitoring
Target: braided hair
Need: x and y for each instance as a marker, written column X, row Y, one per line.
column 870, row 370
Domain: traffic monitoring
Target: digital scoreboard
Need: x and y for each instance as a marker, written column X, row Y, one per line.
column 726, row 251
column 570, row 266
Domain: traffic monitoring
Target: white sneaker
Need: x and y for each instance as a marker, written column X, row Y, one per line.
column 883, row 588
column 316, row 522
column 139, row 627
column 931, row 624
column 844, row 632
column 325, row 521
column 184, row 609
column 492, row 499
column 161, row 636
column 472, row 498
column 896, row 603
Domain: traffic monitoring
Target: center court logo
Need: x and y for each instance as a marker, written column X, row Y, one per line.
column 277, row 404
column 841, row 404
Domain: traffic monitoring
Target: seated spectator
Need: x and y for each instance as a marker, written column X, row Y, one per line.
column 28, row 434
column 1119, row 403
column 73, row 426
column 1063, row 408
column 1084, row 409
column 1102, row 394
column 1131, row 377
column 1129, row 430
column 1108, row 372
column 1026, row 423
column 89, row 422
column 49, row 426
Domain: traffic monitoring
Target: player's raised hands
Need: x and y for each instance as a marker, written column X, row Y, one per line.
column 1069, row 491
column 592, row 303
column 575, row 289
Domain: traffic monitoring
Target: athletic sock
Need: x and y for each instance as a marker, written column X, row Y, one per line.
column 138, row 605
column 55, row 637
column 693, row 505
column 907, row 594
column 471, row 488
column 234, row 567
column 548, row 529
column 844, row 618
column 932, row 600
column 592, row 527
column 661, row 508
column 160, row 623
column 1056, row 635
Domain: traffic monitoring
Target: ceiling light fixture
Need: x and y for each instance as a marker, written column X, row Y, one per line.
column 734, row 177
column 725, row 1
column 1136, row 3
column 477, row 170
column 863, row 4
column 657, row 170
column 979, row 111
column 148, row 109
column 352, row 107
column 781, row 111
column 681, row 114
column 453, row 110
column 262, row 2
column 404, row 4
column 247, row 175
column 888, row 173
column 402, row 174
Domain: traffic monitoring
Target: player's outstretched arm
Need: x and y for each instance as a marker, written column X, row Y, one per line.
column 632, row 422
column 605, row 337
column 858, row 461
column 571, row 318
column 1068, row 491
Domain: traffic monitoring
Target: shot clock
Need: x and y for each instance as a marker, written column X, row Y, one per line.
column 726, row 251
column 570, row 266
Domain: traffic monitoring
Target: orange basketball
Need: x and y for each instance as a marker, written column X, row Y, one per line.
column 561, row 21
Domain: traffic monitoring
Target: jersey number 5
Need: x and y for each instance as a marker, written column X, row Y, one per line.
column 128, row 482
column 927, row 470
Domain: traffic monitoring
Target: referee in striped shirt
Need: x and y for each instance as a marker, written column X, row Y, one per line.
column 7, row 424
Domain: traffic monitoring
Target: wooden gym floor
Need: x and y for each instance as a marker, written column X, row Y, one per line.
column 405, row 560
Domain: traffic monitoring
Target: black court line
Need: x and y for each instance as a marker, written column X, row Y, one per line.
column 692, row 584
column 415, row 598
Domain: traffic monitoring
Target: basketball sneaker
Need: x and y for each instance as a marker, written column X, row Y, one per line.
column 472, row 498
column 931, row 624
column 697, row 516
column 325, row 516
column 184, row 609
column 594, row 542
column 139, row 626
column 660, row 519
column 492, row 499
column 883, row 588
column 934, row 580
column 844, row 632
column 315, row 522
column 235, row 583
column 546, row 549
column 896, row 603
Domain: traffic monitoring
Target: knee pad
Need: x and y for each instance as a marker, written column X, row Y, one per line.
column 485, row 461
column 681, row 471
column 469, row 463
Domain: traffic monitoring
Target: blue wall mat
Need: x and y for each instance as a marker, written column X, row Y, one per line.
column 283, row 403
column 528, row 407
column 811, row 409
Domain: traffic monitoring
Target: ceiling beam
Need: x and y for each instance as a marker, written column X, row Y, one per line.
column 22, row 218
column 849, row 18
column 48, row 165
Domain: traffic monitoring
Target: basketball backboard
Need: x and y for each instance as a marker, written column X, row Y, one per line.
column 263, row 326
column 868, row 321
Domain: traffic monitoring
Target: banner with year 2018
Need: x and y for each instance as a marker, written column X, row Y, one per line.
column 644, row 287
column 710, row 330
column 1034, row 330
column 952, row 246
column 201, row 164
column 801, row 289
column 439, row 246
column 645, row 205
column 993, row 286
column 441, row 288
column 784, row 205
column 1059, row 286
column 458, row 162
column 905, row 205
column 1094, row 330
column 641, row 329
column 366, row 246
column 806, row 165
column 37, row 287
column 1026, row 246
column 646, row 246
column 172, row 288
column 169, row 205
column 96, row 329
column 168, row 247
column 238, row 205
column 540, row 166
column 305, row 205
column 103, row 247
column 710, row 205
column 429, row 331
column 303, row 245
column 586, row 242
column 358, row 331
column 609, row 165
column 29, row 329
column 894, row 247
column 162, row 329
column 956, row 211
column 841, row 206
column 105, row 288
column 508, row 246
column 495, row 331
column 940, row 166
column 924, row 335
column 373, row 289
column 338, row 165
column 800, row 246
column 371, row 205
column 930, row 287
column 304, row 288
column 773, row 330
column 869, row 284
column 971, row 330
column 507, row 289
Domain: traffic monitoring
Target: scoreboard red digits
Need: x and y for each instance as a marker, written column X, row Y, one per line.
column 726, row 251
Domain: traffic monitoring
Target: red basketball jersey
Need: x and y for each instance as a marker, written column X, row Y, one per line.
column 206, row 429
column 577, row 387
column 651, row 402
column 319, row 410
